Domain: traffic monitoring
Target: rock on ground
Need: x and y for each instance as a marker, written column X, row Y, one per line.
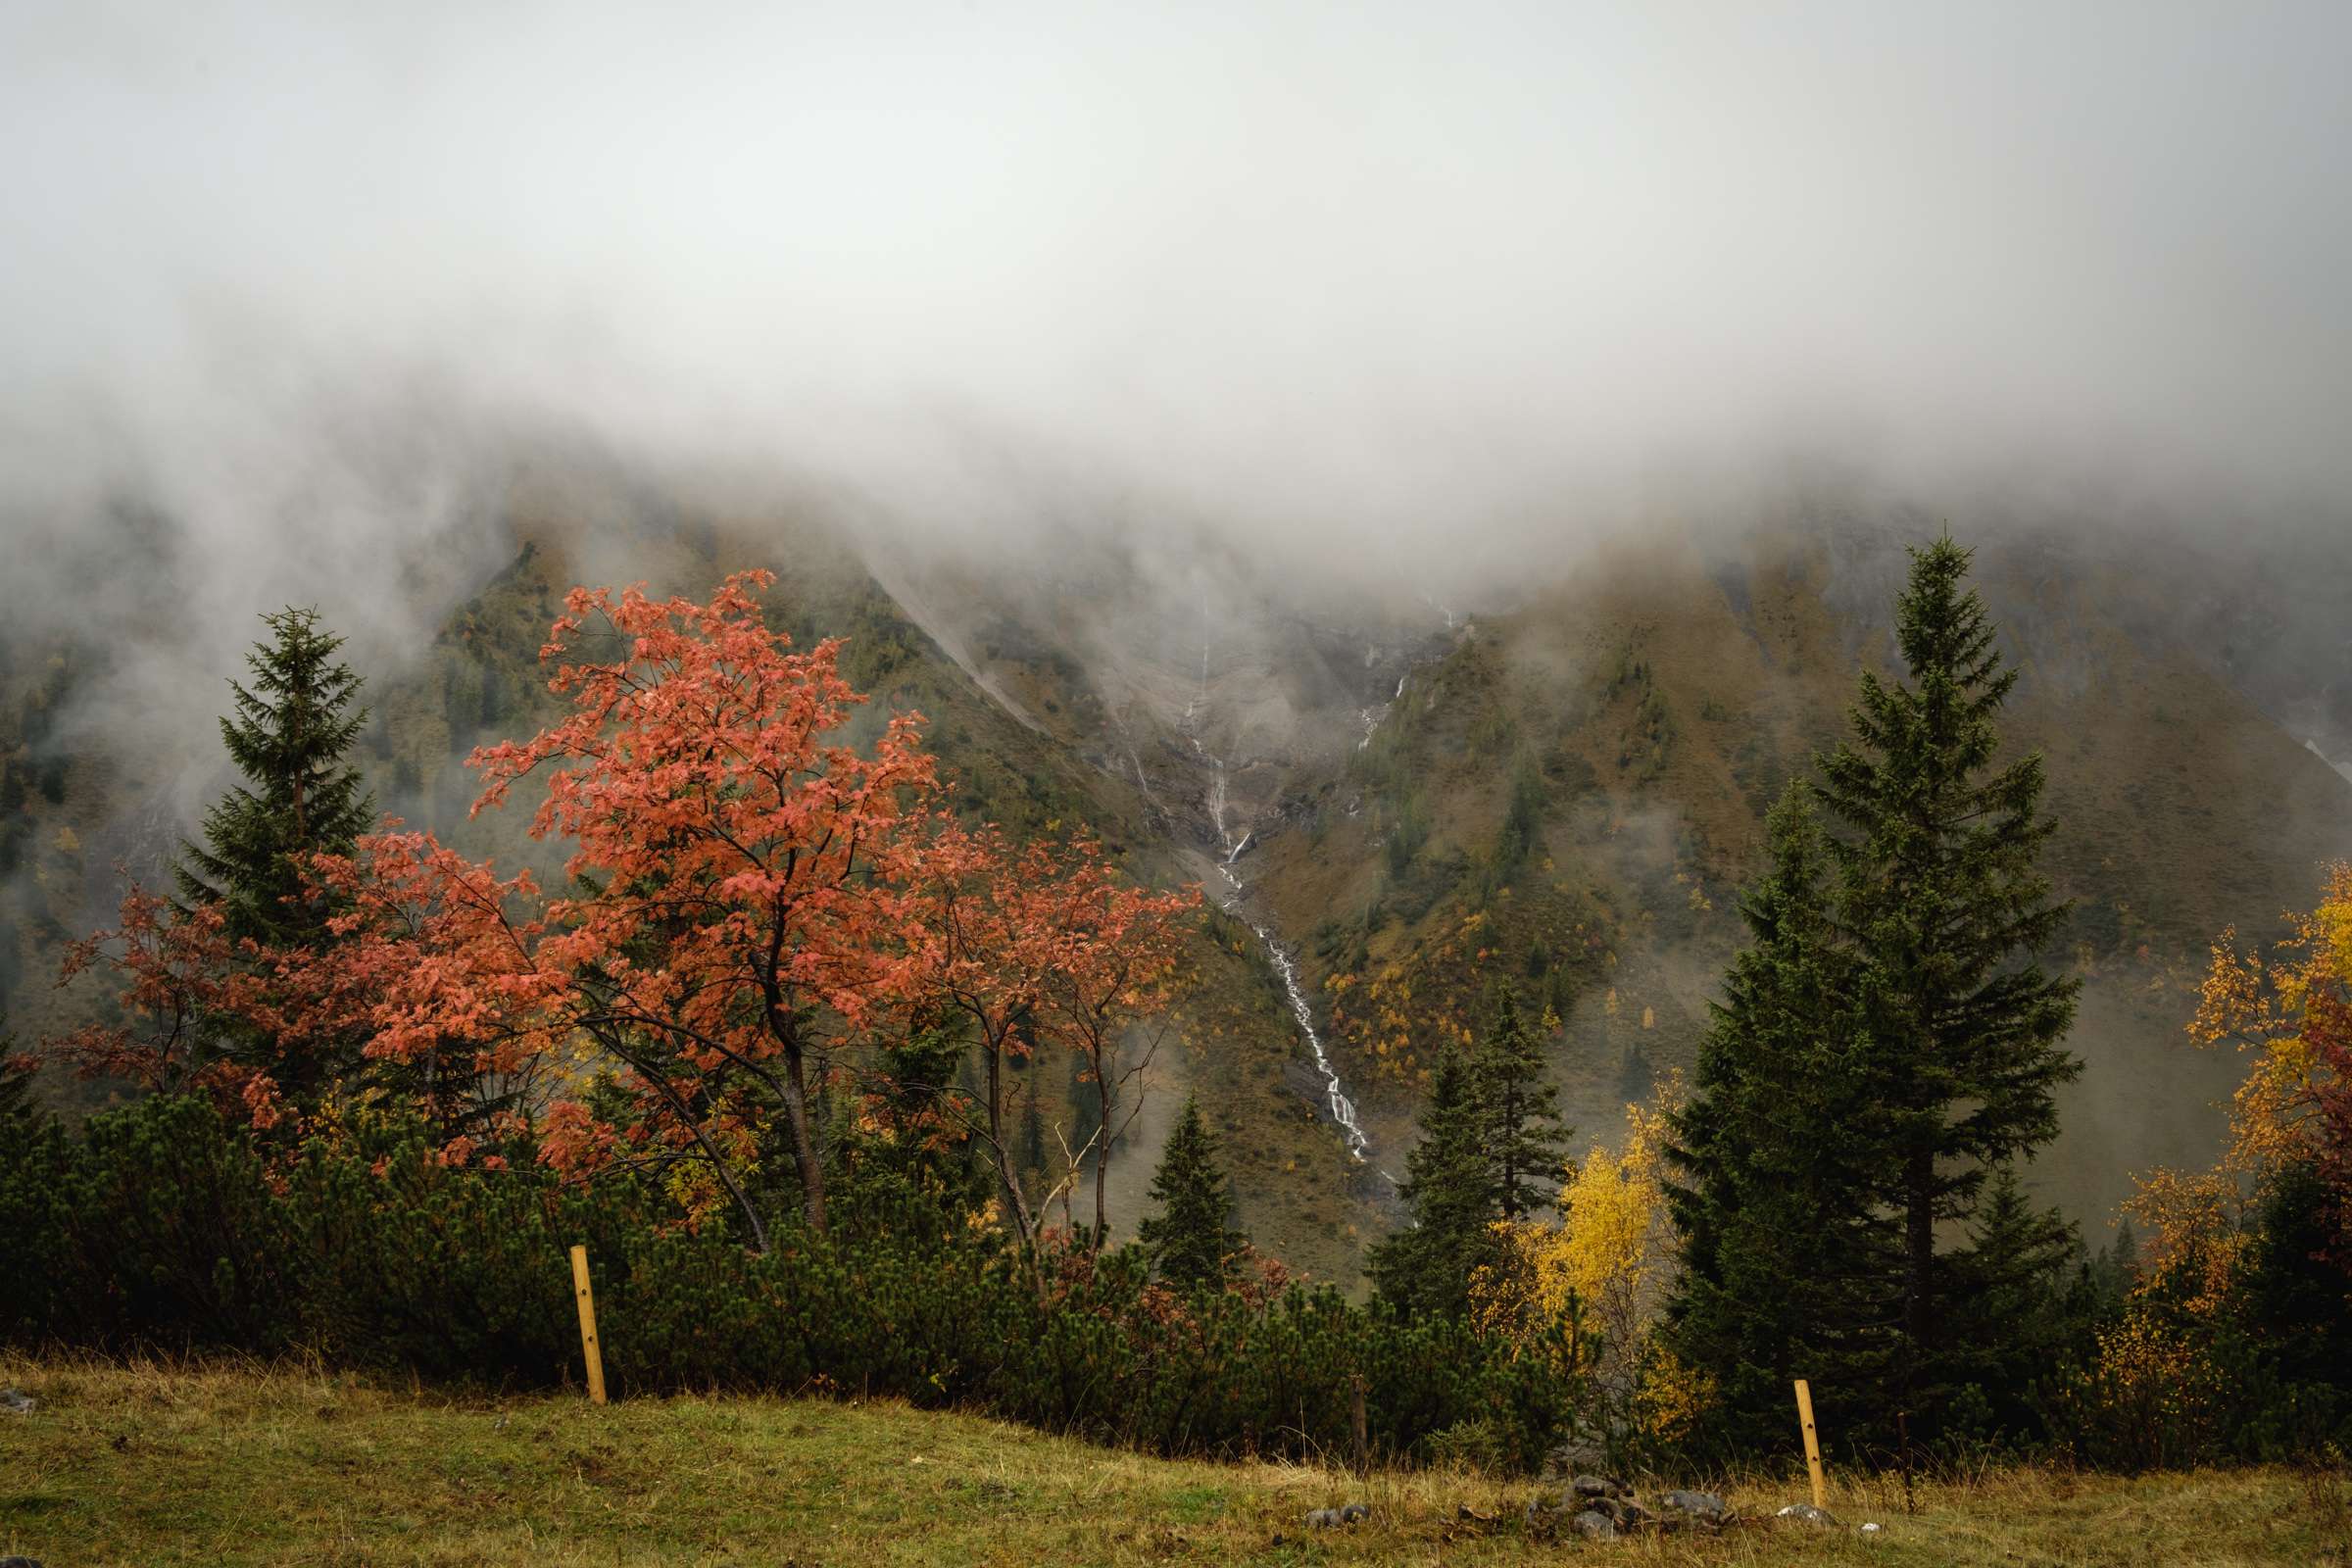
column 1594, row 1525
column 1699, row 1507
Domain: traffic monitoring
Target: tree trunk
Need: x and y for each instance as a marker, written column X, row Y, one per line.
column 1016, row 1207
column 1102, row 1144
column 743, row 1200
column 1919, row 1246
column 803, row 1142
column 694, row 1130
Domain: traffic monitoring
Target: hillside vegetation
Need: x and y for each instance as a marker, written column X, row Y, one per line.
column 76, row 807
column 1570, row 798
column 1566, row 794
column 823, row 1065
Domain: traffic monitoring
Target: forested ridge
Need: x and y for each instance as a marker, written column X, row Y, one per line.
column 828, row 1057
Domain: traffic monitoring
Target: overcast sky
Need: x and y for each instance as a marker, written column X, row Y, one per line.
column 1408, row 272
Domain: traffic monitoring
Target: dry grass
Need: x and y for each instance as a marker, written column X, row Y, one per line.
column 158, row 1464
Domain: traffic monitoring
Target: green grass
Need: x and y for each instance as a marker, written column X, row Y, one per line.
column 154, row 1464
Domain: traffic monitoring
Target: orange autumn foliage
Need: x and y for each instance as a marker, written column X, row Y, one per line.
column 743, row 871
column 749, row 897
column 1045, row 945
column 2289, row 1014
column 177, row 982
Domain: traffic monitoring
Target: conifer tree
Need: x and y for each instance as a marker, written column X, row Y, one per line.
column 1775, row 1172
column 1524, row 1135
column 2114, row 1268
column 1190, row 1240
column 1449, row 1197
column 289, row 737
column 2013, row 1318
column 1886, row 1042
column 1939, row 893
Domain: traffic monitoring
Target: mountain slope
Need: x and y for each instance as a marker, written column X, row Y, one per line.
column 1404, row 803
column 1566, row 795
column 478, row 678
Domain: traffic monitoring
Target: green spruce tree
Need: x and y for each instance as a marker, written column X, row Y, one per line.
column 289, row 737
column 1774, row 1169
column 1525, row 1139
column 1886, row 1041
column 2015, row 1321
column 1449, row 1198
column 1191, row 1241
column 1940, row 896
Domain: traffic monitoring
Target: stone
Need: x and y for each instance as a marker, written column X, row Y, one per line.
column 1334, row 1518
column 1594, row 1525
column 1600, row 1486
column 1805, row 1513
column 1695, row 1507
column 20, row 1404
column 19, row 1562
column 1354, row 1512
column 1872, row 1528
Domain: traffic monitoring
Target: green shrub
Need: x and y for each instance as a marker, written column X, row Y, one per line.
column 161, row 1227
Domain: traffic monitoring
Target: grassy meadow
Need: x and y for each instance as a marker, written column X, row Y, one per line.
column 158, row 1464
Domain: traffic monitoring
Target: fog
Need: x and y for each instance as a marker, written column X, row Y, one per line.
column 1408, row 289
column 1170, row 314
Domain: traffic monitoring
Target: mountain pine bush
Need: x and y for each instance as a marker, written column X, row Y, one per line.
column 161, row 1227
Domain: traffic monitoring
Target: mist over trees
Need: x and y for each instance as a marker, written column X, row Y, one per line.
column 1311, row 738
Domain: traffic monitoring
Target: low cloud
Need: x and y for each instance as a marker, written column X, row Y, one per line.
column 1402, row 291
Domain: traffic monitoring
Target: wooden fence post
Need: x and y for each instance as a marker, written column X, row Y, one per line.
column 1902, row 1428
column 596, row 1357
column 1804, row 1414
column 1358, row 1427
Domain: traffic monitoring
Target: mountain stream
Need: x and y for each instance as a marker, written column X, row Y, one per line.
column 1336, row 1102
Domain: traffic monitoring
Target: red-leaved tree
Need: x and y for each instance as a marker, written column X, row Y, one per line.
column 1110, row 956
column 179, row 985
column 977, row 972
column 417, row 921
column 750, row 896
column 437, row 967
column 1050, row 945
column 742, row 869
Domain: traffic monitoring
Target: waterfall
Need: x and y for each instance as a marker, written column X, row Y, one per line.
column 1373, row 716
column 1336, row 1102
column 1217, row 807
column 1335, row 1095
